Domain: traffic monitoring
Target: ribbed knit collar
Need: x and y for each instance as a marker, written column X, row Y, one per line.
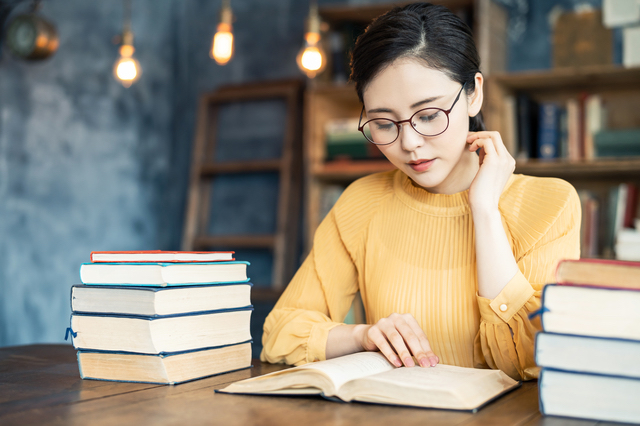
column 418, row 198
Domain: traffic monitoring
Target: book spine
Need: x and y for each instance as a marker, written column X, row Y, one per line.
column 573, row 130
column 164, row 354
column 527, row 126
column 159, row 317
column 548, row 131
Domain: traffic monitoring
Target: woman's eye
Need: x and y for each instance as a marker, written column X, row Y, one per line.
column 384, row 125
column 430, row 117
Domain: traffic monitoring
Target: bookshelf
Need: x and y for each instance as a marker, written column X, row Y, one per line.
column 325, row 100
column 619, row 89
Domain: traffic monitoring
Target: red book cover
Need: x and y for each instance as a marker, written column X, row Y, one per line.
column 614, row 274
column 631, row 206
column 160, row 256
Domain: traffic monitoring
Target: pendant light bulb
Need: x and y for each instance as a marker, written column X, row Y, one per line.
column 127, row 69
column 312, row 59
column 222, row 45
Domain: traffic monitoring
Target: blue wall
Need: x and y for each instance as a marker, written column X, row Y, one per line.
column 86, row 164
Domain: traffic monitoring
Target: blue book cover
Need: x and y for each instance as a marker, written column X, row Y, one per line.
column 577, row 353
column 548, row 130
column 163, row 274
column 187, row 299
column 160, row 334
column 589, row 396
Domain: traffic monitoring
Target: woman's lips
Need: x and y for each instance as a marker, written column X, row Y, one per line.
column 421, row 165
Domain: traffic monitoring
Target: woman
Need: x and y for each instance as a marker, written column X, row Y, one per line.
column 450, row 251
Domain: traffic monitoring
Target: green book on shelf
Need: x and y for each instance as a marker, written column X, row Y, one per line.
column 617, row 143
column 344, row 140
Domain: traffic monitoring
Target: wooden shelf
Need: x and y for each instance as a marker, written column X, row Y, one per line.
column 254, row 166
column 346, row 171
column 594, row 77
column 364, row 14
column 241, row 241
column 602, row 168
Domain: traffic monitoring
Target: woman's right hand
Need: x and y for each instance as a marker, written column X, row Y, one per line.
column 399, row 337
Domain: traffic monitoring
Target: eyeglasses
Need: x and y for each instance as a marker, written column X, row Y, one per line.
column 427, row 122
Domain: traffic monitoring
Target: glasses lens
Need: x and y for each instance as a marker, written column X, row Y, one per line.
column 430, row 121
column 381, row 131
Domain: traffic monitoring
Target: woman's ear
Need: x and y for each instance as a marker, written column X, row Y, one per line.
column 475, row 100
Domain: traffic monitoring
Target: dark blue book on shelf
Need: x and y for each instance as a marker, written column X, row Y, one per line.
column 548, row 130
column 527, row 125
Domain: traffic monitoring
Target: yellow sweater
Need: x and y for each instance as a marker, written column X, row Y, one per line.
column 408, row 250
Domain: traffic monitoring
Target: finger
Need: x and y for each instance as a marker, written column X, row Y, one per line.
column 397, row 341
column 430, row 357
column 473, row 136
column 487, row 144
column 412, row 341
column 490, row 137
column 498, row 143
column 377, row 338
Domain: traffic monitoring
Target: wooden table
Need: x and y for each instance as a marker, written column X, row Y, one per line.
column 40, row 384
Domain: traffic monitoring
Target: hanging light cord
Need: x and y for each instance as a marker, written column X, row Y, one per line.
column 127, row 35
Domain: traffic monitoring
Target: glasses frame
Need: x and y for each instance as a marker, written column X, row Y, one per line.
column 398, row 123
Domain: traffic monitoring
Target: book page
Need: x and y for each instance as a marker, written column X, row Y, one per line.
column 440, row 377
column 314, row 378
column 442, row 386
column 350, row 367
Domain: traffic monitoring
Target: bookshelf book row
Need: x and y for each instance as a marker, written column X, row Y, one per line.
column 161, row 317
column 576, row 129
column 610, row 225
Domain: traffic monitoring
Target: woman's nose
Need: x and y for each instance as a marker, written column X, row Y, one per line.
column 410, row 139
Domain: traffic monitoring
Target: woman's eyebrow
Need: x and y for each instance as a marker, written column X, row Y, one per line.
column 426, row 101
column 379, row 110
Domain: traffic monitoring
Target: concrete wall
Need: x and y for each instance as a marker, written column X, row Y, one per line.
column 86, row 164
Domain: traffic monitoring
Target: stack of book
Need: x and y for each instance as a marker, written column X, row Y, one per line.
column 589, row 349
column 161, row 317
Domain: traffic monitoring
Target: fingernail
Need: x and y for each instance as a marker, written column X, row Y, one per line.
column 397, row 362
column 409, row 362
column 424, row 362
column 433, row 361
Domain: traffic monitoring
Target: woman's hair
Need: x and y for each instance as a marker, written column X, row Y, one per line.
column 429, row 33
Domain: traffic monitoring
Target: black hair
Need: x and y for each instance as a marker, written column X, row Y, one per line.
column 430, row 33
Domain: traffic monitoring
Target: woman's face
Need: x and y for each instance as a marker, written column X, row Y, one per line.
column 442, row 163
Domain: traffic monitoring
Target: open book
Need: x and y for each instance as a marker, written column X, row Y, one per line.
column 369, row 377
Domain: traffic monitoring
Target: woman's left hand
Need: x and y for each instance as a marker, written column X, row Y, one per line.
column 496, row 166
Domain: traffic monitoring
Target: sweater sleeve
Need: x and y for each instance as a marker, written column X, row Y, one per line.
column 316, row 300
column 541, row 237
column 319, row 296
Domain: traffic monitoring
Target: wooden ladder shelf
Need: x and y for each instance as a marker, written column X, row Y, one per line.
column 205, row 169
